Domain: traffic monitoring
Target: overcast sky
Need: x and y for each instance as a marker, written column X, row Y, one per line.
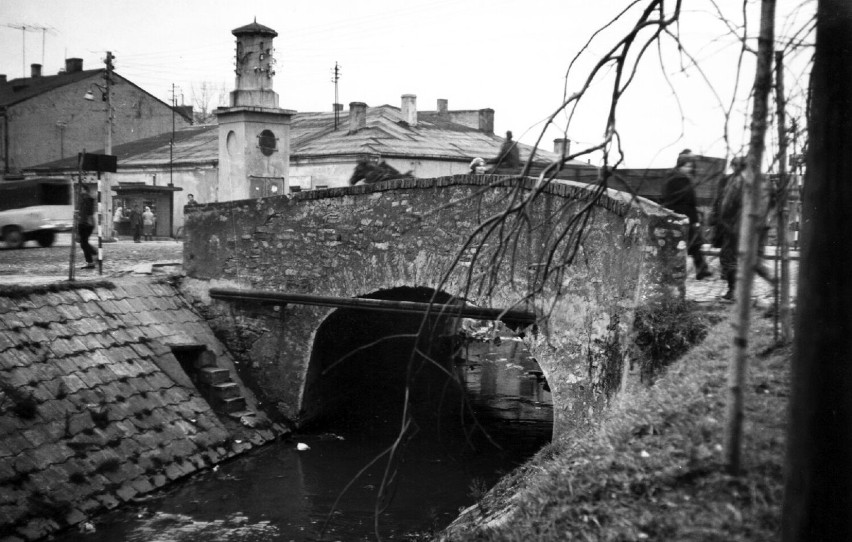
column 508, row 55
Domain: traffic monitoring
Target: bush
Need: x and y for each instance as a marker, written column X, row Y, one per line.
column 662, row 333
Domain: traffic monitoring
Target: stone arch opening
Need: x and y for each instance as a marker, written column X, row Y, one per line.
column 363, row 362
column 484, row 388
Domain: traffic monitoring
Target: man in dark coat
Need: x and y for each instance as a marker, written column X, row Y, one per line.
column 510, row 155
column 679, row 196
column 85, row 225
column 136, row 223
column 725, row 220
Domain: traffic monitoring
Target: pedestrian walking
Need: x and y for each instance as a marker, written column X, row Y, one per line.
column 86, row 225
column 116, row 220
column 136, row 223
column 679, row 196
column 725, row 220
column 148, row 221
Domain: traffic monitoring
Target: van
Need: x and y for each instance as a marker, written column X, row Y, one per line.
column 35, row 209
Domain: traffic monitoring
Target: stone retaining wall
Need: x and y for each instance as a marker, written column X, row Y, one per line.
column 95, row 408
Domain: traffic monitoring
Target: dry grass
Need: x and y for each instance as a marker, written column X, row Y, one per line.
column 653, row 469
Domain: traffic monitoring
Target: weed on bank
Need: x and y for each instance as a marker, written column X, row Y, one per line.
column 653, row 469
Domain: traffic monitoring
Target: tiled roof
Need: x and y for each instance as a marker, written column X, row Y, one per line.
column 193, row 145
column 386, row 134
column 314, row 135
column 18, row 90
column 254, row 28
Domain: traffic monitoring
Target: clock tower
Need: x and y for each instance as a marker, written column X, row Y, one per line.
column 254, row 133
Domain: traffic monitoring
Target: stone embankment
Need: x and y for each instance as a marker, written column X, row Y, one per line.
column 105, row 394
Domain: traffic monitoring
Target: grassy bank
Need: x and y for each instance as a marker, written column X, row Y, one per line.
column 653, row 469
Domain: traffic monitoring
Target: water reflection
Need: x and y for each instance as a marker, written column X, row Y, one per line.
column 280, row 494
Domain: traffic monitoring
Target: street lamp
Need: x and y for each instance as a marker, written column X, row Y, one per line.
column 106, row 222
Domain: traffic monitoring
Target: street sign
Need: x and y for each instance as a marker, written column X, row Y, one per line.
column 99, row 162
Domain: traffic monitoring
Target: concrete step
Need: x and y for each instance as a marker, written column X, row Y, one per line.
column 226, row 390
column 240, row 413
column 234, row 404
column 205, row 359
column 214, row 375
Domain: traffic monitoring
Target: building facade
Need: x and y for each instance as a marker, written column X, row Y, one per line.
column 44, row 118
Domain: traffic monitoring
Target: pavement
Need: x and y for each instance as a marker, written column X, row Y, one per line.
column 711, row 290
column 34, row 265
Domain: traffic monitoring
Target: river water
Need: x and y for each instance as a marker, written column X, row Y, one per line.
column 281, row 493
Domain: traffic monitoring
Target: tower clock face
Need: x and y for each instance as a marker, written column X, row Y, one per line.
column 267, row 142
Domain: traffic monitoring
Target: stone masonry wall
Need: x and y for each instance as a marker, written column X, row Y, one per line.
column 357, row 241
column 94, row 407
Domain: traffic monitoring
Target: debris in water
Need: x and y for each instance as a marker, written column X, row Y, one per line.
column 302, row 447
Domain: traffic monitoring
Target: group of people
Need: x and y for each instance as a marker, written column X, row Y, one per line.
column 679, row 196
column 141, row 223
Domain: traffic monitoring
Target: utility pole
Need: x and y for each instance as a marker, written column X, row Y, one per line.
column 334, row 79
column 172, row 141
column 107, row 192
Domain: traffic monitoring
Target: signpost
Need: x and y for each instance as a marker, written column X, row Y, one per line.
column 102, row 163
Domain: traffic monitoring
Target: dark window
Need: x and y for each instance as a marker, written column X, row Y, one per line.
column 267, row 142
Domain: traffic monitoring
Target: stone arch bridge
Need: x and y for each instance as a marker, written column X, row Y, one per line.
column 412, row 241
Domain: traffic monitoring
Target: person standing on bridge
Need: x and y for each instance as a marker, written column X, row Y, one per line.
column 725, row 220
column 679, row 196
column 510, row 155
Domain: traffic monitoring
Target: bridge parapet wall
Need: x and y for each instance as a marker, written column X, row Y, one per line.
column 355, row 241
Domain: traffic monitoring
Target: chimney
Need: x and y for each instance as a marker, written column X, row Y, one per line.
column 73, row 65
column 443, row 109
column 409, row 109
column 3, row 79
column 357, row 116
column 558, row 143
column 486, row 121
column 35, row 70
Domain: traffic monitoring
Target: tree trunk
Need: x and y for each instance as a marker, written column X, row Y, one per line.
column 818, row 485
column 747, row 250
column 782, row 287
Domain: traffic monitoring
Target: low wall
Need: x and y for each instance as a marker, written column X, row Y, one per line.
column 94, row 407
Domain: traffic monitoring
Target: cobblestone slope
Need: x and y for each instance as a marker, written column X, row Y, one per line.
column 94, row 406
